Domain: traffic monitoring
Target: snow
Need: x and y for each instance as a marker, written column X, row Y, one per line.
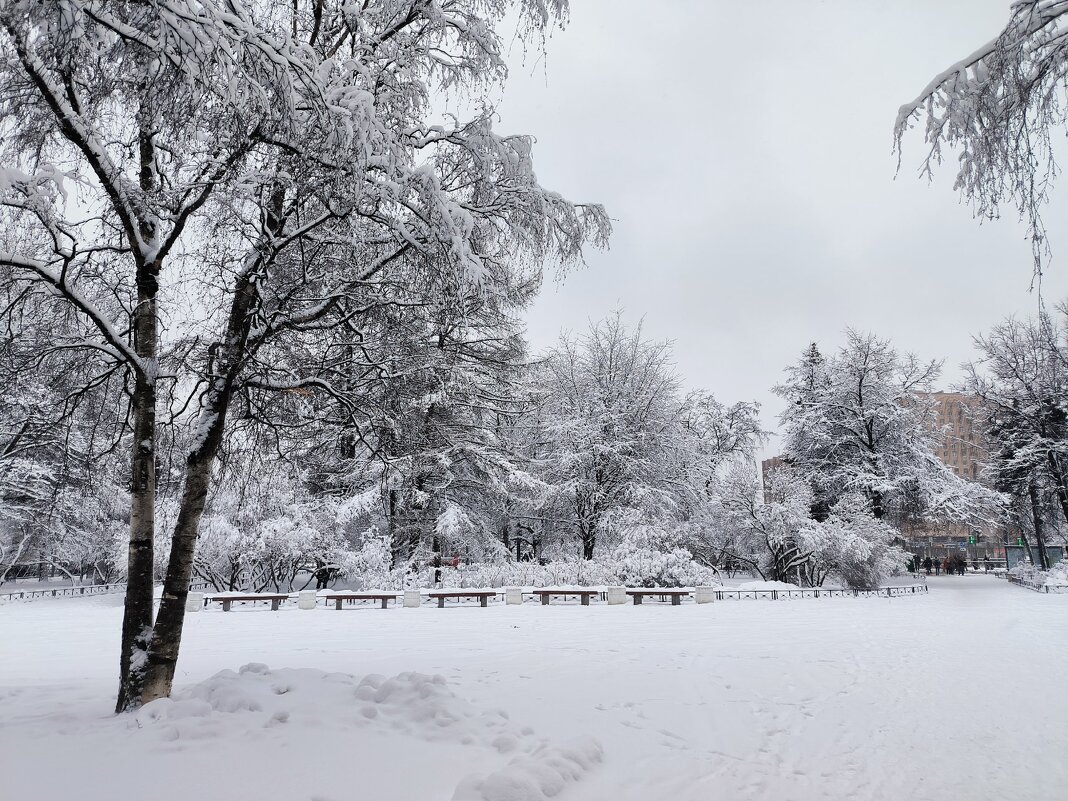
column 927, row 697
column 310, row 704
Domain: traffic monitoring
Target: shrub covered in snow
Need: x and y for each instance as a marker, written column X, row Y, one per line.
column 1057, row 576
column 625, row 566
column 1024, row 570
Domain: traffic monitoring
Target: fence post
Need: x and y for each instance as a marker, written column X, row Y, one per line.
column 704, row 595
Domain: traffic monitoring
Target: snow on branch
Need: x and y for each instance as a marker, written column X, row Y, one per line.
column 117, row 346
column 998, row 107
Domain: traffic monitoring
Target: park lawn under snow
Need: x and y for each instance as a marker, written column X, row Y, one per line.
column 952, row 695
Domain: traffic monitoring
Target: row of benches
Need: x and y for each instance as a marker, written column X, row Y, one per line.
column 482, row 596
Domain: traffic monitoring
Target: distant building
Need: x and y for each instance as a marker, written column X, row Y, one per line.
column 963, row 448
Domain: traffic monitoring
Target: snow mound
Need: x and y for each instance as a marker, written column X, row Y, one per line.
column 537, row 776
column 767, row 585
column 256, row 696
column 257, row 702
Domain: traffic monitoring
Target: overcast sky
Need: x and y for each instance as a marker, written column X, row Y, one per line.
column 744, row 152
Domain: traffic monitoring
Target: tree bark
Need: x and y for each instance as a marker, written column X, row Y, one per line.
column 1062, row 497
column 167, row 633
column 137, row 613
column 589, row 540
column 878, row 511
column 1040, row 538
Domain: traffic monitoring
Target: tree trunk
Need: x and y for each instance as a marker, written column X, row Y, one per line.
column 1040, row 537
column 877, row 509
column 137, row 614
column 587, row 536
column 1062, row 497
column 167, row 633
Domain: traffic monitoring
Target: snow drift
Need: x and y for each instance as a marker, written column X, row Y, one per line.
column 256, row 702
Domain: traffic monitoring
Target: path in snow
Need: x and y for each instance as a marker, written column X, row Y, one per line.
column 952, row 695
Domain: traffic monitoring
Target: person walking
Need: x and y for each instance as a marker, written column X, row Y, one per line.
column 927, row 565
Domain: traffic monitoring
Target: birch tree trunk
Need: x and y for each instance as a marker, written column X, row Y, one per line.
column 137, row 614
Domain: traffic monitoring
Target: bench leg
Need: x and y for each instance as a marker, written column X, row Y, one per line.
column 226, row 605
column 484, row 600
column 676, row 600
column 585, row 600
column 384, row 602
column 337, row 604
column 545, row 600
column 274, row 604
column 637, row 599
column 441, row 602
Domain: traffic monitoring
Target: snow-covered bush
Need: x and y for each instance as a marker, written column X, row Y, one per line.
column 645, row 567
column 855, row 545
column 1024, row 571
column 370, row 565
column 647, row 557
column 630, row 564
column 1057, row 576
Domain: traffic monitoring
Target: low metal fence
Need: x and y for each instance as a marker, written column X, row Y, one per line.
column 819, row 592
column 1035, row 586
column 62, row 592
column 75, row 592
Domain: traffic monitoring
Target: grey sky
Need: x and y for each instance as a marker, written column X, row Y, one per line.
column 743, row 150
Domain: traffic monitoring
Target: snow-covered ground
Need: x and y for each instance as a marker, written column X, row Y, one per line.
column 953, row 695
